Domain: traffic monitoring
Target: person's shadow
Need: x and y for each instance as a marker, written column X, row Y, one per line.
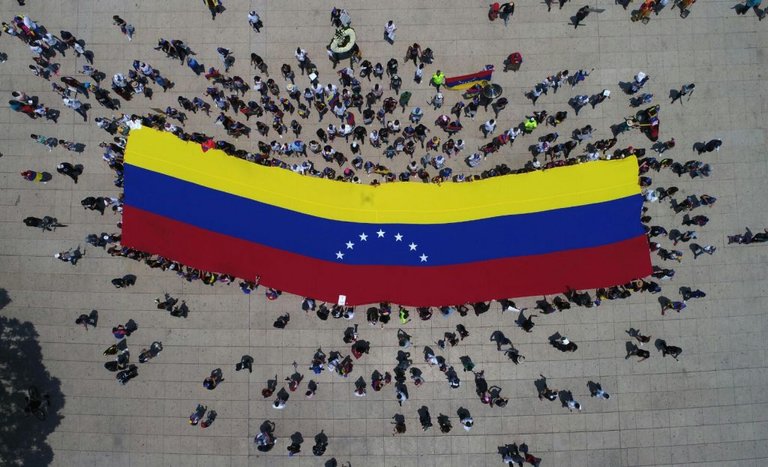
column 699, row 147
column 674, row 235
column 564, row 397
column 360, row 383
column 619, row 128
column 660, row 344
column 574, row 21
column 593, row 387
column 626, row 86
column 742, row 9
column 631, row 349
column 267, row 426
column 675, row 95
column 575, row 105
column 297, row 438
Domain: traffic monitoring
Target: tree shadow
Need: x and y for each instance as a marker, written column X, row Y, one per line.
column 4, row 298
column 24, row 435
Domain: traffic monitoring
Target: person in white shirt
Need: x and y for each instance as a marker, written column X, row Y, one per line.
column 419, row 73
column 389, row 31
column 301, row 55
column 489, row 127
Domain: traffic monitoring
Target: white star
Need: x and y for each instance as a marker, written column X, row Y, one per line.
column 423, row 258
column 363, row 237
column 380, row 233
column 413, row 246
column 398, row 237
column 350, row 245
column 339, row 255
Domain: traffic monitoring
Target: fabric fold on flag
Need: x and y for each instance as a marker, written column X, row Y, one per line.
column 407, row 243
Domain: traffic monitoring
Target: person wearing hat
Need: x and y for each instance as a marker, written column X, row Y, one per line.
column 416, row 115
column 437, row 100
column 438, row 79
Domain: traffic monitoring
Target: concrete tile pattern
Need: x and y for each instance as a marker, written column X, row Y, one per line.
column 710, row 408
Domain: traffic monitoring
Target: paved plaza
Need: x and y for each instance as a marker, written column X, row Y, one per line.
column 708, row 408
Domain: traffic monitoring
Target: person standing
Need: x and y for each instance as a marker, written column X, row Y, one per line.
column 684, row 91
column 596, row 390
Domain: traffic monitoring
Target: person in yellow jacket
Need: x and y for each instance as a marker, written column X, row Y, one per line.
column 530, row 124
column 438, row 79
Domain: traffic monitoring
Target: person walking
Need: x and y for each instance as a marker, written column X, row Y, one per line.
column 699, row 250
column 389, row 31
column 255, row 21
column 580, row 16
column 438, row 79
column 684, row 91
column 71, row 171
column 125, row 28
column 488, row 127
column 711, row 145
column 418, row 75
column 246, row 363
column 596, row 390
column 213, row 380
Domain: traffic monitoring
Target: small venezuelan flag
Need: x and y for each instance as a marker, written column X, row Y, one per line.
column 408, row 243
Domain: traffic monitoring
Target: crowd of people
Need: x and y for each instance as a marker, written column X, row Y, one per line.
column 361, row 104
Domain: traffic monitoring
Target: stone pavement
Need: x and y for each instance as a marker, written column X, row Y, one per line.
column 710, row 408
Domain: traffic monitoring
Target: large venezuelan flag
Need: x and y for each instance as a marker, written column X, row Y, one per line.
column 408, row 243
column 459, row 83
